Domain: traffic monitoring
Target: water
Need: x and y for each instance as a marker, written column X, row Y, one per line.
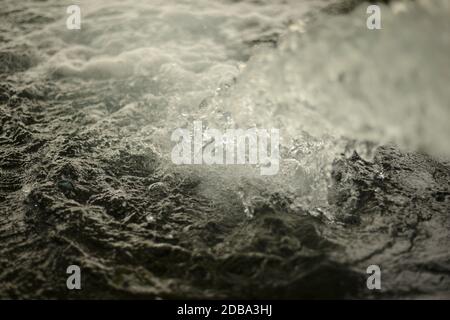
column 96, row 107
column 195, row 59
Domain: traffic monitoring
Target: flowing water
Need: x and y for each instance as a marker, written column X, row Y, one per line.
column 86, row 171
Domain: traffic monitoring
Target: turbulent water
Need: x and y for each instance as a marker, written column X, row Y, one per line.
column 86, row 175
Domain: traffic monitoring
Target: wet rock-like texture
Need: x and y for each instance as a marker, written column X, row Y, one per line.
column 84, row 181
column 398, row 206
